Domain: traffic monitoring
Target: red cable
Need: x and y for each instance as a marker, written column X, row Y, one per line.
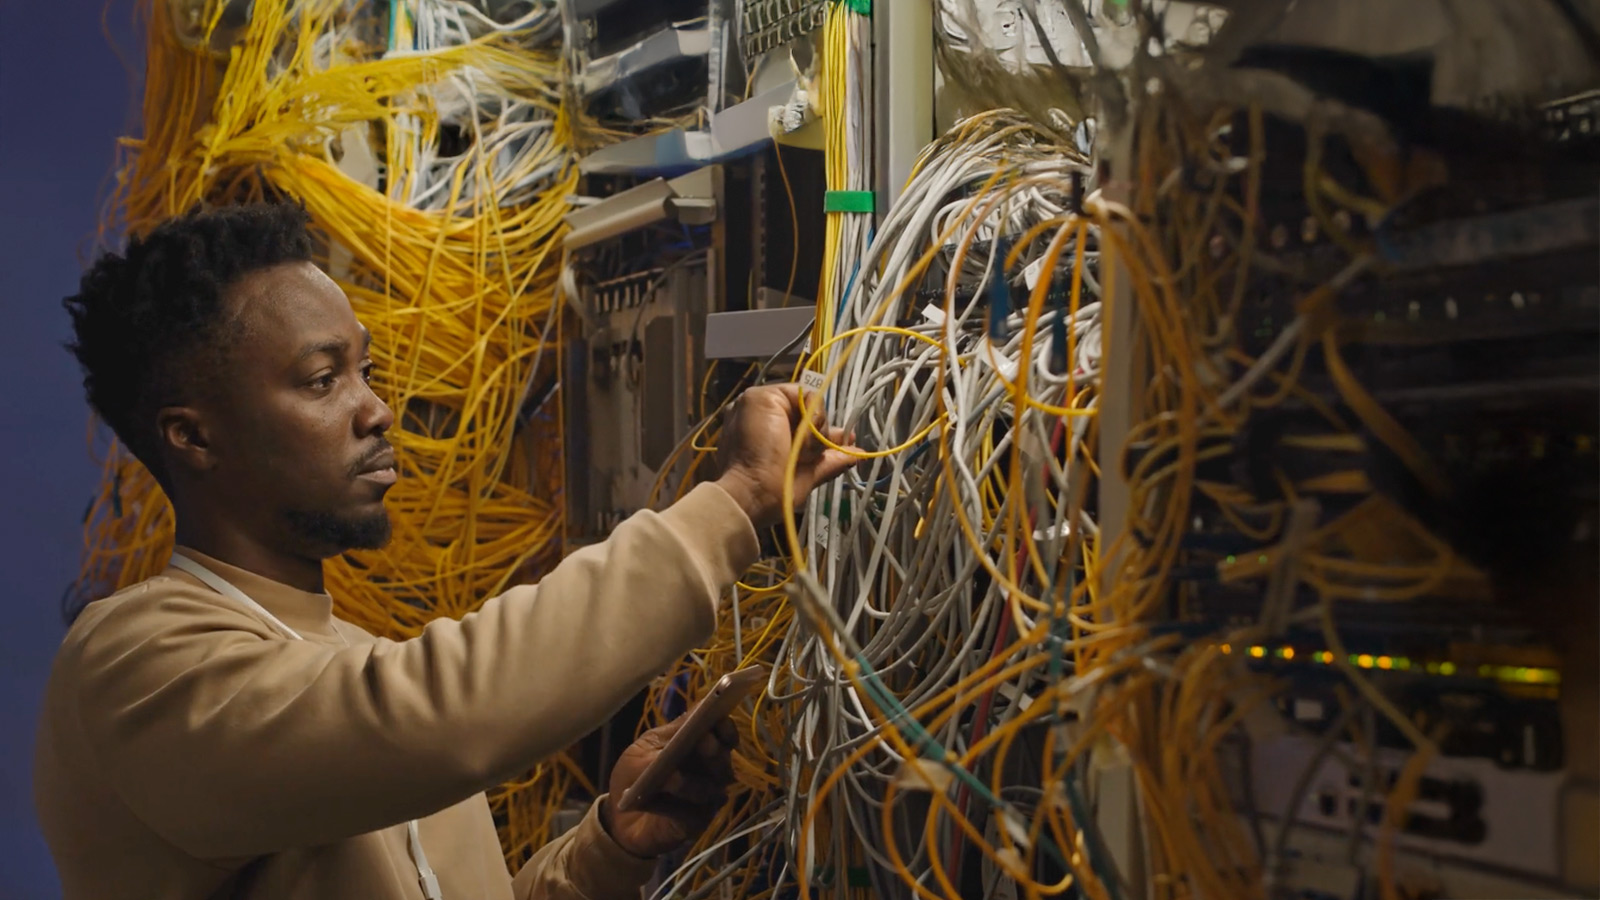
column 986, row 704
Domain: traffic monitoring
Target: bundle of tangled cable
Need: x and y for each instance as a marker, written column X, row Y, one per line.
column 907, row 607
column 448, row 262
column 951, row 639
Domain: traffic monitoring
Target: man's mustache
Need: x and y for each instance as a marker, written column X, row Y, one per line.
column 380, row 457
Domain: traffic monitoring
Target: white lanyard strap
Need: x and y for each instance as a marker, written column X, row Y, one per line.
column 425, row 876
column 227, row 589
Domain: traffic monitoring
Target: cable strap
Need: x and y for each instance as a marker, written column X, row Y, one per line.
column 849, row 201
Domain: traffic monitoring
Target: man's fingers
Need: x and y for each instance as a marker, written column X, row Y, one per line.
column 831, row 465
column 659, row 735
column 795, row 399
column 694, row 789
column 789, row 395
column 814, row 447
column 816, row 408
column 713, row 758
column 835, row 435
column 683, row 821
column 719, row 768
column 674, row 785
column 677, row 821
column 727, row 733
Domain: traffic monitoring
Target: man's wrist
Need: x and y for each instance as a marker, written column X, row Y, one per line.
column 748, row 495
column 607, row 815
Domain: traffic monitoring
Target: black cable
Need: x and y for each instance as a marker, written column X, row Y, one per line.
column 1248, row 789
column 1303, row 784
column 784, row 351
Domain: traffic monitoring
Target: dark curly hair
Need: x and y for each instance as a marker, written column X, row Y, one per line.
column 144, row 318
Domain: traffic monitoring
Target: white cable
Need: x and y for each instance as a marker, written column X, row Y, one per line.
column 903, row 580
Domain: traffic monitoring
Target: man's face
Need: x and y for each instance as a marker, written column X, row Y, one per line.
column 299, row 435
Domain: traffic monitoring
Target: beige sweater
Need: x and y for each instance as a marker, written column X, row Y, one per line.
column 190, row 750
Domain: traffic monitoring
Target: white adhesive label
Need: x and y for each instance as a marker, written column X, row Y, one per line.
column 933, row 314
column 1053, row 532
column 1006, row 366
column 812, row 380
column 1030, row 275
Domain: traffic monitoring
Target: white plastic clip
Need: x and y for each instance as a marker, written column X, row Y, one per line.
column 425, row 876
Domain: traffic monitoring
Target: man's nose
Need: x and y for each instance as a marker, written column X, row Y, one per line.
column 375, row 417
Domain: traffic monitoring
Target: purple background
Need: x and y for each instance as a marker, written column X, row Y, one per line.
column 65, row 96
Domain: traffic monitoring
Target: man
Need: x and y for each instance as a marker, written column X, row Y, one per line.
column 216, row 732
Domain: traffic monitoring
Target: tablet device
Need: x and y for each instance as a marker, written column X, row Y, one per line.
column 729, row 691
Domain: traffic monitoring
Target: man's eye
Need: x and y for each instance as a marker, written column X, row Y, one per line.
column 366, row 373
column 323, row 382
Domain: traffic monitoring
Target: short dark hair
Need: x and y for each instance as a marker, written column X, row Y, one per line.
column 139, row 317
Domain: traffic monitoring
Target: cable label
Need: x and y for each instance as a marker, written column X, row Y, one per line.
column 819, row 532
column 1030, row 274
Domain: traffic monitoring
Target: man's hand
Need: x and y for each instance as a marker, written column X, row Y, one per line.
column 754, row 450
column 689, row 800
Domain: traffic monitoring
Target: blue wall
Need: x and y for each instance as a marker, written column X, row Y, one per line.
column 64, row 98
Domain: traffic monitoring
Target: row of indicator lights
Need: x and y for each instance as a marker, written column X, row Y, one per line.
column 1517, row 674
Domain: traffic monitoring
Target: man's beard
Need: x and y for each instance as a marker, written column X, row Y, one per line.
column 335, row 533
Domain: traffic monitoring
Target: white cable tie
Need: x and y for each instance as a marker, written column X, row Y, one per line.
column 1053, row 532
column 1030, row 275
column 1022, row 699
column 1014, row 827
column 1004, row 365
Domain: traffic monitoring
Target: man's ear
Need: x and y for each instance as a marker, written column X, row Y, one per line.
column 185, row 438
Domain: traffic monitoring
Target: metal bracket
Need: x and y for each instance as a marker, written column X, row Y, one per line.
column 692, row 199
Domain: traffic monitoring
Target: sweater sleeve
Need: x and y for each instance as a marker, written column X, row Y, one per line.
column 232, row 742
column 583, row 864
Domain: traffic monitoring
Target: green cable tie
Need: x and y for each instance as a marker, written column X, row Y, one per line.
column 849, row 202
column 860, row 7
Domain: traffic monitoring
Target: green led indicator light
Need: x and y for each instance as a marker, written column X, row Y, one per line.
column 1231, row 559
column 1448, row 668
column 1262, row 559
